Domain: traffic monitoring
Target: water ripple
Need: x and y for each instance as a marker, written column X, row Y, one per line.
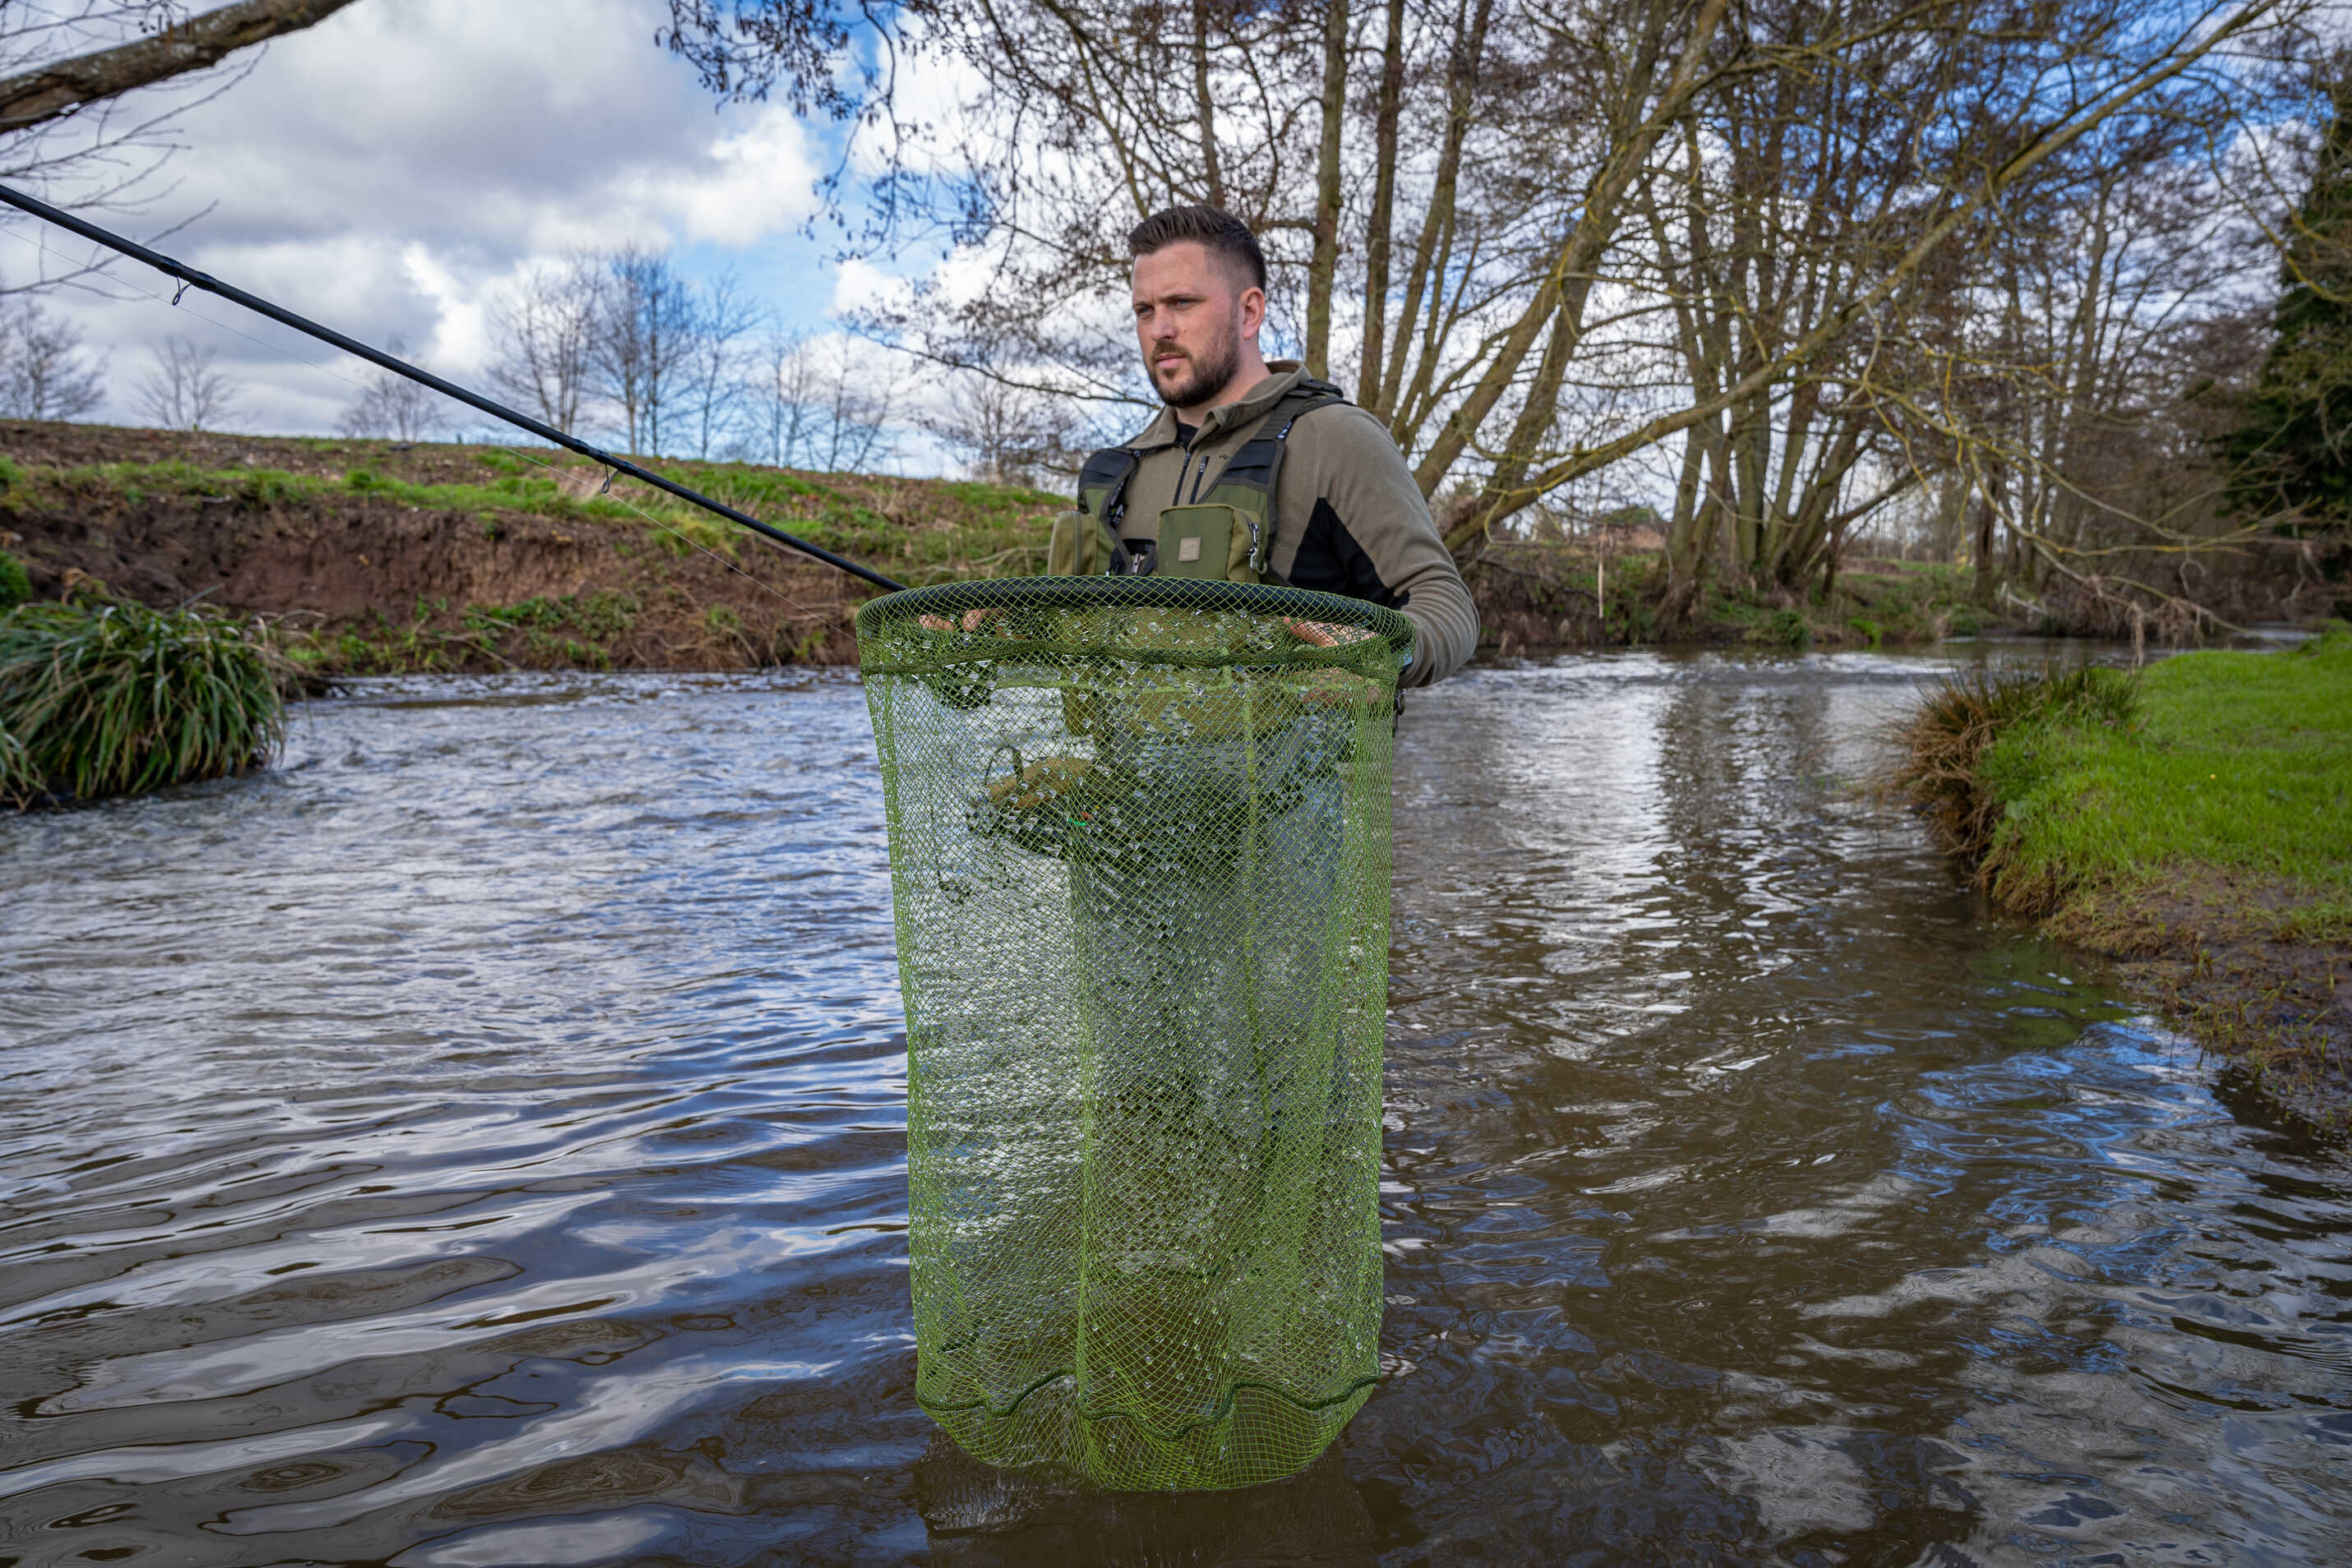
column 480, row 1140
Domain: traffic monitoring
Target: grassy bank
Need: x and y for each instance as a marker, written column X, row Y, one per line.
column 374, row 557
column 2194, row 820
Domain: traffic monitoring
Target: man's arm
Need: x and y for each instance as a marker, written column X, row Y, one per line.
column 1369, row 535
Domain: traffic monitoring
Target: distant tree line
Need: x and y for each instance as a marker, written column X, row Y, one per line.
column 618, row 342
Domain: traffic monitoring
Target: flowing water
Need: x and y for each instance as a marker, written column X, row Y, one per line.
column 480, row 1142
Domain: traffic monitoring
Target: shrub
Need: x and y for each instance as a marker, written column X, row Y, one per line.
column 112, row 698
column 1785, row 629
column 16, row 583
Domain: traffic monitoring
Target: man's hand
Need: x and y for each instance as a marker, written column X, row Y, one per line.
column 973, row 620
column 1323, row 634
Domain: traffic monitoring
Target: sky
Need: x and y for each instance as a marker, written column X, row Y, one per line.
column 391, row 169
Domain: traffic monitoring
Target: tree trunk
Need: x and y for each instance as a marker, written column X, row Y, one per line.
column 1204, row 107
column 1325, row 265
column 1383, row 216
column 1987, row 572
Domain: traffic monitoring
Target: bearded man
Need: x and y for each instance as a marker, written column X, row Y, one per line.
column 1256, row 472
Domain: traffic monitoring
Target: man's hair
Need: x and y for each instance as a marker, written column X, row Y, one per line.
column 1224, row 235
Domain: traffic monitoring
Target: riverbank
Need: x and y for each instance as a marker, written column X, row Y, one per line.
column 2192, row 822
column 376, row 557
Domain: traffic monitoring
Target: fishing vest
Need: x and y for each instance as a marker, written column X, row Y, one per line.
column 1227, row 536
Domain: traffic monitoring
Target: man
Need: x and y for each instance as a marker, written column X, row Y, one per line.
column 1345, row 514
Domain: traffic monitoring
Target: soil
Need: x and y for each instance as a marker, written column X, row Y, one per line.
column 392, row 583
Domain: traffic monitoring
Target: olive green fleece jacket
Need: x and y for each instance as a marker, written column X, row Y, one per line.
column 1347, row 517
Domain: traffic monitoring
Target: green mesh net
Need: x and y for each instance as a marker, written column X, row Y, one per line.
column 1139, row 850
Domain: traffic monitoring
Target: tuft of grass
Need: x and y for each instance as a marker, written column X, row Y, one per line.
column 15, row 582
column 112, row 698
column 1945, row 741
column 18, row 781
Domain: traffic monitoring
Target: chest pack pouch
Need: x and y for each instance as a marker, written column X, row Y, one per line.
column 1225, row 536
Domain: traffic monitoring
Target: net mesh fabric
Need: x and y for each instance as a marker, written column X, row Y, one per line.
column 1140, row 852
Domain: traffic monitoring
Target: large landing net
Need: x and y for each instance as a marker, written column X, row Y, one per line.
column 1139, row 847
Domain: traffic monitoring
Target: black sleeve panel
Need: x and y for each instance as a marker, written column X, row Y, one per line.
column 1329, row 561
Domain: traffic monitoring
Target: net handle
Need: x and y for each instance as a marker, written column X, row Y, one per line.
column 1139, row 593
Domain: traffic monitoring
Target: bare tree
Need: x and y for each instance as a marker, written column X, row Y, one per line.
column 1008, row 435
column 544, row 332
column 720, row 322
column 779, row 399
column 644, row 343
column 858, row 406
column 184, row 391
column 393, row 406
column 42, row 373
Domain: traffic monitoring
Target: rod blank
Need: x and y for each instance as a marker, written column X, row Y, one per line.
column 261, row 307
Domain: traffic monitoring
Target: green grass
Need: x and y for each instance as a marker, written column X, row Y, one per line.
column 112, row 698
column 2238, row 763
column 15, row 582
column 526, row 489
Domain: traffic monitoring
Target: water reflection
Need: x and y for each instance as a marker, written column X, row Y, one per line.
column 481, row 1141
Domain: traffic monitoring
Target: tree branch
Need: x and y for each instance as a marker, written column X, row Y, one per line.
column 57, row 89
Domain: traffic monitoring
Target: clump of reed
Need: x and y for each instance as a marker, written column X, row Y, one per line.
column 1943, row 743
column 103, row 697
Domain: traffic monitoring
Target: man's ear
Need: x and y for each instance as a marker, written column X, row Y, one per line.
column 1252, row 310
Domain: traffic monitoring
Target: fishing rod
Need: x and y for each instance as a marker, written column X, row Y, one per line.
column 192, row 279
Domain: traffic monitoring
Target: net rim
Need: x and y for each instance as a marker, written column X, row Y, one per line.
column 1149, row 592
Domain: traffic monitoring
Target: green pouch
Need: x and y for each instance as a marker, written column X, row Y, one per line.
column 1208, row 540
column 1074, row 549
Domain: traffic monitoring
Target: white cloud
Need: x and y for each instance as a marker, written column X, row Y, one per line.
column 387, row 171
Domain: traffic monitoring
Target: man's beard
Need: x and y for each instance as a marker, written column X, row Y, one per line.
column 1207, row 377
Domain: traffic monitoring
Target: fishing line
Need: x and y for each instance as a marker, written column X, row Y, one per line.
column 521, row 421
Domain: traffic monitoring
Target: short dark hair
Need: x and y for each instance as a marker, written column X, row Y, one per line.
column 1219, row 231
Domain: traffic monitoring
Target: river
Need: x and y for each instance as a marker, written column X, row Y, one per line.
column 480, row 1140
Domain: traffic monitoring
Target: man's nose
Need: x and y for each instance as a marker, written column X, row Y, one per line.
column 1163, row 327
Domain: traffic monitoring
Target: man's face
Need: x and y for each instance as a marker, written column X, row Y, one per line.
column 1190, row 320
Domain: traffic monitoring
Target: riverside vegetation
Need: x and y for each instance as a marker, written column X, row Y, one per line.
column 376, row 557
column 2192, row 820
column 102, row 697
